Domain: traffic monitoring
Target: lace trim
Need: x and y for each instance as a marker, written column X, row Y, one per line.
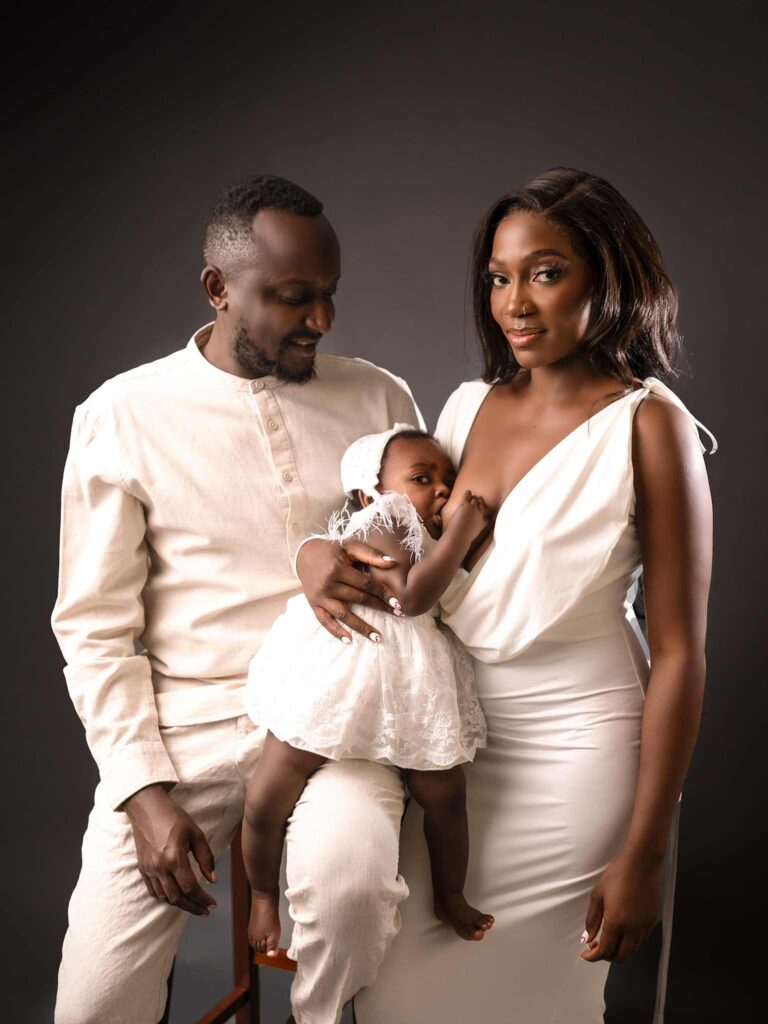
column 389, row 511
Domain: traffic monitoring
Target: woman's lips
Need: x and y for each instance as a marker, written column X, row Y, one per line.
column 520, row 339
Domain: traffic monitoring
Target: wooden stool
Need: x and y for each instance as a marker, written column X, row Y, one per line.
column 242, row 1002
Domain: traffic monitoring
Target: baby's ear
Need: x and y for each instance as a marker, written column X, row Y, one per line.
column 363, row 499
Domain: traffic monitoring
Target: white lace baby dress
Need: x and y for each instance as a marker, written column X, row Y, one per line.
column 409, row 701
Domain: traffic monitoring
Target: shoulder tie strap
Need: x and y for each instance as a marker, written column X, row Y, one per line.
column 655, row 386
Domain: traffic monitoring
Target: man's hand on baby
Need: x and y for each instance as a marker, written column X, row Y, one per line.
column 331, row 582
column 165, row 835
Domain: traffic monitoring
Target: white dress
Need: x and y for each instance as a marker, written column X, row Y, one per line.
column 561, row 669
column 409, row 701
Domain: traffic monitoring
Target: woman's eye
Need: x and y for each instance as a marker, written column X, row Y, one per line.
column 555, row 272
column 497, row 280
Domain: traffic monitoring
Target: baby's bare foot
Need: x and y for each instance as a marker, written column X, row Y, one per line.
column 264, row 922
column 466, row 921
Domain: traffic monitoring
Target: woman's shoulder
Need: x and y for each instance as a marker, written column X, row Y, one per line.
column 458, row 414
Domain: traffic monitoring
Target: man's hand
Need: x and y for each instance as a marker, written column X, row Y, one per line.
column 165, row 835
column 331, row 581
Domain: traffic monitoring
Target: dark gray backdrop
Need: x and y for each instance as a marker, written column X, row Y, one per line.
column 407, row 125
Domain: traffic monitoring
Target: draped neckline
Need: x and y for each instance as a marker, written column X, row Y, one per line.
column 545, row 457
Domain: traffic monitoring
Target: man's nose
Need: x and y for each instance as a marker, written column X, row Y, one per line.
column 320, row 316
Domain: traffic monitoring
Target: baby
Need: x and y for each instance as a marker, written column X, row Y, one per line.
column 407, row 700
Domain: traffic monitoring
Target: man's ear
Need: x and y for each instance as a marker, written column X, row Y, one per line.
column 215, row 288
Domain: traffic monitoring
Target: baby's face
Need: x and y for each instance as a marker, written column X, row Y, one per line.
column 418, row 467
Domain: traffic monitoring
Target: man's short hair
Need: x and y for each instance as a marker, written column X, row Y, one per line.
column 228, row 235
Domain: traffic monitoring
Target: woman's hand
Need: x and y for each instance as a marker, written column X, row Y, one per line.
column 331, row 581
column 623, row 908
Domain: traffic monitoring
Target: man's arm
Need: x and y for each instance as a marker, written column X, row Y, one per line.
column 99, row 614
column 97, row 619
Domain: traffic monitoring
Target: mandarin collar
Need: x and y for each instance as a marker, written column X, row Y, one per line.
column 230, row 380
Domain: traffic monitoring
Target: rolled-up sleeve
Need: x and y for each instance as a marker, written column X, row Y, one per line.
column 99, row 614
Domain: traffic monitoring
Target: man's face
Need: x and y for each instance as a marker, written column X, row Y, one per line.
column 281, row 301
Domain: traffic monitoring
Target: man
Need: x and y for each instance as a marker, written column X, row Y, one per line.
column 189, row 485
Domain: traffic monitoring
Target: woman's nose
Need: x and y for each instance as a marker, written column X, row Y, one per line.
column 518, row 303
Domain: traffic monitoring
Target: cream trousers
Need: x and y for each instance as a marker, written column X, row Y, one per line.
column 342, row 870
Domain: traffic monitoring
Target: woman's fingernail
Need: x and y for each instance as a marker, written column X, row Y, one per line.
column 394, row 602
column 346, row 640
column 375, row 637
column 584, row 935
column 399, row 613
column 388, row 558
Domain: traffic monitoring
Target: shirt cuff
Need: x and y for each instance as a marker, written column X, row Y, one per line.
column 314, row 536
column 133, row 768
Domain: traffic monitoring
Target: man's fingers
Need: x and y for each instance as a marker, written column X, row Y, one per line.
column 364, row 589
column 152, row 889
column 191, row 889
column 328, row 622
column 349, row 595
column 358, row 551
column 203, row 855
column 351, row 621
column 175, row 897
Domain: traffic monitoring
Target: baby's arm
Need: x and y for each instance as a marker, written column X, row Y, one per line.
column 420, row 586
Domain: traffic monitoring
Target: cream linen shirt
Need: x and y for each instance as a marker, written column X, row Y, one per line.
column 186, row 492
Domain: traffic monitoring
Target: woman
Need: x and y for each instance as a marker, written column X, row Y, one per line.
column 595, row 469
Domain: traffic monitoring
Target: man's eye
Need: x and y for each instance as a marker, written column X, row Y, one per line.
column 292, row 300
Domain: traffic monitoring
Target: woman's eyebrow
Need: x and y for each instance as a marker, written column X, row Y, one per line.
column 536, row 254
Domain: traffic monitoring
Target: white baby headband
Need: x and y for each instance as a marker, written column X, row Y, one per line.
column 361, row 462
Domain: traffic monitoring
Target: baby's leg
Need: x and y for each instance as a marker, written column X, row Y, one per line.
column 273, row 791
column 442, row 794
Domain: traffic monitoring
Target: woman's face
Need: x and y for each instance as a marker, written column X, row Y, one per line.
column 540, row 289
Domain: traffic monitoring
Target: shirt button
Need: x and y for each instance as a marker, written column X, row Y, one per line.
column 259, row 385
column 296, row 528
column 287, row 477
column 272, row 425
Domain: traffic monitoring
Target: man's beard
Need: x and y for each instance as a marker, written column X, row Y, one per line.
column 256, row 361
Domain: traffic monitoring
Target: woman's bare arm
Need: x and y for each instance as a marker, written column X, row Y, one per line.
column 674, row 522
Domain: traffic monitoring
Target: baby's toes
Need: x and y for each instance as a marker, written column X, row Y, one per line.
column 484, row 921
column 272, row 943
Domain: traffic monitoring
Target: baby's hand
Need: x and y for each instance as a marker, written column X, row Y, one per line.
column 472, row 516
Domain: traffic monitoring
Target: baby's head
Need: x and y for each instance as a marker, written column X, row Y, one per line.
column 413, row 463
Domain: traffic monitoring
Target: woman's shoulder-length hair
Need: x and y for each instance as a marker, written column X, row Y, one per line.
column 632, row 330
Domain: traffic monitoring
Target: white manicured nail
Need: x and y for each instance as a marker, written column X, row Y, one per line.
column 375, row 637
column 388, row 558
column 394, row 602
column 584, row 935
column 346, row 640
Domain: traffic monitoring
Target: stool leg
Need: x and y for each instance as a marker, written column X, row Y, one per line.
column 246, row 971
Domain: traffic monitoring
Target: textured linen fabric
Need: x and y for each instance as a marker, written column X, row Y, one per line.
column 186, row 492
column 342, row 883
column 561, row 670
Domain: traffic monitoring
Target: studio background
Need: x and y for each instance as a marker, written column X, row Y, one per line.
column 407, row 123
